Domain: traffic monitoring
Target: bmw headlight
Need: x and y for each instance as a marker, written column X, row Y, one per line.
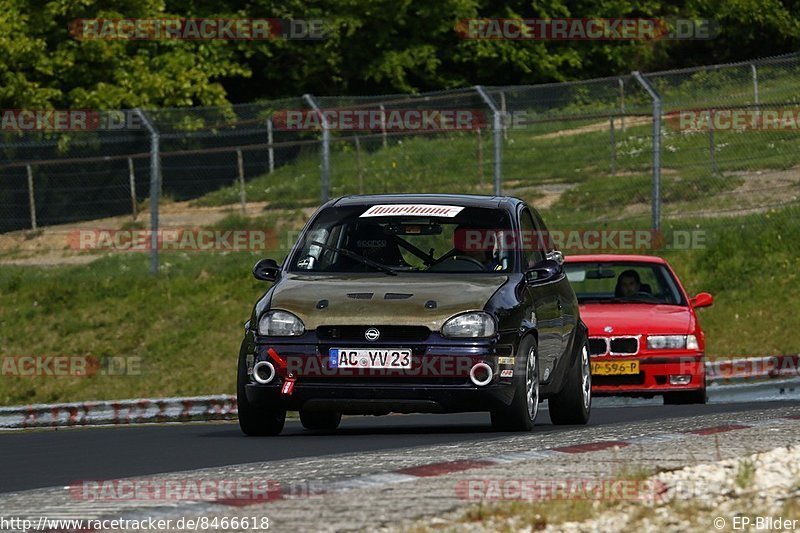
column 280, row 324
column 470, row 325
column 672, row 342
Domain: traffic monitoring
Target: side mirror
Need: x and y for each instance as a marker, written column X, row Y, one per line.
column 703, row 299
column 556, row 255
column 544, row 271
column 266, row 270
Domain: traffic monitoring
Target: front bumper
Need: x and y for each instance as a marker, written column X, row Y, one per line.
column 438, row 380
column 653, row 377
column 372, row 398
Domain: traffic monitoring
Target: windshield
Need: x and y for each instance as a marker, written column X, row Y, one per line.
column 405, row 238
column 624, row 282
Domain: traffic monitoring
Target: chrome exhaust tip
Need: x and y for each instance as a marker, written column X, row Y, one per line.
column 263, row 372
column 481, row 374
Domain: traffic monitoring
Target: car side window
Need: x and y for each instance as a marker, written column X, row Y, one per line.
column 544, row 235
column 531, row 240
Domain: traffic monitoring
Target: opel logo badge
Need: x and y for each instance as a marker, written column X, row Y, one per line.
column 608, row 329
column 372, row 334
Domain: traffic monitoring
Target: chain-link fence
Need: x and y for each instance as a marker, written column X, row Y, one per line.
column 641, row 150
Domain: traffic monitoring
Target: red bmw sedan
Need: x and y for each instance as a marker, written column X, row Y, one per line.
column 644, row 336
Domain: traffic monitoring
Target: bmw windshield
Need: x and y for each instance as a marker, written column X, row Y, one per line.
column 397, row 238
column 623, row 282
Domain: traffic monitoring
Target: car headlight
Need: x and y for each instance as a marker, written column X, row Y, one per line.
column 280, row 324
column 470, row 325
column 672, row 342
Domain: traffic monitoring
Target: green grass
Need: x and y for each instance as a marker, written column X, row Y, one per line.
column 183, row 325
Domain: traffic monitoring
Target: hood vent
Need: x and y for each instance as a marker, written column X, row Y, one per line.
column 360, row 295
column 396, row 296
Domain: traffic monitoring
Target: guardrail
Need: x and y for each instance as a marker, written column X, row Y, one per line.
column 726, row 373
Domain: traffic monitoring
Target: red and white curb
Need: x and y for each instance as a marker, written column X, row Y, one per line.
column 223, row 406
column 437, row 469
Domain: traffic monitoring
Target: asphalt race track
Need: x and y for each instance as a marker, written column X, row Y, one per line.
column 45, row 458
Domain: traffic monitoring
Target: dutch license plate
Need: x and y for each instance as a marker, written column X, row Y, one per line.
column 370, row 358
column 608, row 368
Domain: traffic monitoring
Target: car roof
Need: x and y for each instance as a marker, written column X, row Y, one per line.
column 466, row 200
column 602, row 258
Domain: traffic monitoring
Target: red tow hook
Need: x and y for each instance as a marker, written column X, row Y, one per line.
column 277, row 358
column 288, row 385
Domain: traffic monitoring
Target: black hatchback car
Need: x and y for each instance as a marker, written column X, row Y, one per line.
column 415, row 303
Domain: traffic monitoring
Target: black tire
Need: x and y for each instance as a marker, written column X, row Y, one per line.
column 518, row 415
column 573, row 405
column 320, row 420
column 255, row 420
column 699, row 396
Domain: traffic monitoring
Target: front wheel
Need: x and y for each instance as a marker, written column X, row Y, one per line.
column 255, row 420
column 521, row 414
column 573, row 404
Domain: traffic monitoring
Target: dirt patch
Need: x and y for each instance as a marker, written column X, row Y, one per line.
column 598, row 126
column 53, row 245
column 759, row 192
column 542, row 196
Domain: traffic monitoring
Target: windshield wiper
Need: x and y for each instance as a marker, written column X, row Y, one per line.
column 357, row 257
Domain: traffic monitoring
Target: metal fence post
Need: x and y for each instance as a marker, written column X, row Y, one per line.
column 656, row 200
column 613, row 146
column 359, row 170
column 132, row 179
column 155, row 188
column 755, row 90
column 242, row 193
column 31, row 199
column 479, row 136
column 325, row 149
column 711, row 144
column 503, row 109
column 383, row 126
column 497, row 131
column 621, row 105
column 270, row 150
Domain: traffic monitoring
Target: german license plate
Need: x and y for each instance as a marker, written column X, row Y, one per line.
column 609, row 368
column 370, row 358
